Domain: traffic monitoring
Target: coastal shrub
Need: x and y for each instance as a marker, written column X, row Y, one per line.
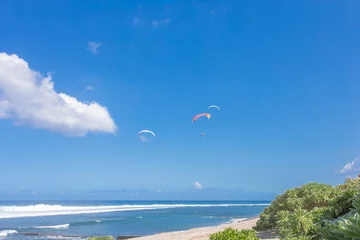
column 356, row 202
column 316, row 211
column 233, row 234
column 346, row 227
column 349, row 183
column 342, row 203
column 320, row 213
column 102, row 238
column 297, row 223
column 307, row 197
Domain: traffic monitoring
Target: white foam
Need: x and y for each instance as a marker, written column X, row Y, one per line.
column 98, row 221
column 63, row 226
column 4, row 233
column 51, row 210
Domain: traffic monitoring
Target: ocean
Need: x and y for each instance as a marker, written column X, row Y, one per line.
column 116, row 218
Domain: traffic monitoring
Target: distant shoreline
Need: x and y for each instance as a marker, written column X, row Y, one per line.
column 202, row 233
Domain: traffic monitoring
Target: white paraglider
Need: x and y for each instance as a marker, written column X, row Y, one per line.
column 214, row 106
column 142, row 135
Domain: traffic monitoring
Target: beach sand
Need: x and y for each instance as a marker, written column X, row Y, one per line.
column 201, row 233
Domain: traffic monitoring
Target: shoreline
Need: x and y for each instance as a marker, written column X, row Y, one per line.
column 202, row 233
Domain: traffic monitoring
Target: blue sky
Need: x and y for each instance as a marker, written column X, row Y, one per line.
column 284, row 73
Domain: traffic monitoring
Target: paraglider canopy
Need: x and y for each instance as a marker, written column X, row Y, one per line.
column 143, row 138
column 201, row 115
column 146, row 131
column 214, row 106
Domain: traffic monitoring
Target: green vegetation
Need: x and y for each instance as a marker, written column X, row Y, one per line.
column 316, row 211
column 311, row 212
column 346, row 227
column 233, row 234
column 307, row 197
column 102, row 238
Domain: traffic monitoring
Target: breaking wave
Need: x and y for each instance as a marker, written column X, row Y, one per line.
column 4, row 233
column 62, row 226
column 52, row 210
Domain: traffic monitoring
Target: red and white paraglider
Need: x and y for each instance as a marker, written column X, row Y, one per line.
column 208, row 115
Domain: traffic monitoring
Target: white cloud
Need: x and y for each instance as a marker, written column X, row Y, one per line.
column 158, row 23
column 29, row 98
column 89, row 88
column 351, row 169
column 198, row 185
column 93, row 47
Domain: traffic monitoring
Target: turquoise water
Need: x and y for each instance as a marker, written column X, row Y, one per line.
column 118, row 218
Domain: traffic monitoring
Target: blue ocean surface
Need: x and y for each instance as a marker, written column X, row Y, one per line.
column 117, row 218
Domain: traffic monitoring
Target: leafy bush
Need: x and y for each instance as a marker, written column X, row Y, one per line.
column 356, row 202
column 307, row 197
column 316, row 211
column 102, row 238
column 346, row 227
column 351, row 183
column 342, row 203
column 297, row 223
column 322, row 213
column 233, row 234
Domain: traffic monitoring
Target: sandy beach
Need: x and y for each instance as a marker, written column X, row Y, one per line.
column 201, row 233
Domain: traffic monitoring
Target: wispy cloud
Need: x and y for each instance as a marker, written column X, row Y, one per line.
column 158, row 23
column 198, row 185
column 350, row 169
column 89, row 88
column 93, row 47
column 137, row 21
column 28, row 98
